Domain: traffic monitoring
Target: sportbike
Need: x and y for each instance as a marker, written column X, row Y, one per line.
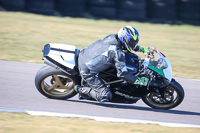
column 57, row 79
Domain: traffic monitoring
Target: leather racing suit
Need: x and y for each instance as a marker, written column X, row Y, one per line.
column 98, row 57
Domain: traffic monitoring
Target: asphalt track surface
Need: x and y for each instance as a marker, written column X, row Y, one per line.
column 18, row 92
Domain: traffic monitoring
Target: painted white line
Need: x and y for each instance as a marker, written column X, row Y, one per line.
column 106, row 119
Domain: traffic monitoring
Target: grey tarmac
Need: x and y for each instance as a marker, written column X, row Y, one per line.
column 19, row 92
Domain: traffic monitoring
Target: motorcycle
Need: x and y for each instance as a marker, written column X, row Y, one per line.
column 58, row 78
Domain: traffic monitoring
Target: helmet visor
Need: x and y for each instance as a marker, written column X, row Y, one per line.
column 132, row 44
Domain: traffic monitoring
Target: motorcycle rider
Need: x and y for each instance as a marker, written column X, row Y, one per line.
column 103, row 54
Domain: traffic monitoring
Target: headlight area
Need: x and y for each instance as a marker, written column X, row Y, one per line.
column 162, row 64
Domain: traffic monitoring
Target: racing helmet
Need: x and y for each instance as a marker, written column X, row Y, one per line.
column 129, row 37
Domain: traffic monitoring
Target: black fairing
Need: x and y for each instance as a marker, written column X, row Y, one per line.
column 126, row 93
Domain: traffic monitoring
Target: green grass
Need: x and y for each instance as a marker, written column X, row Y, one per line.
column 23, row 123
column 23, row 35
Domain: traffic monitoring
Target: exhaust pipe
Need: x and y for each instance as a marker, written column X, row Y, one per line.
column 46, row 61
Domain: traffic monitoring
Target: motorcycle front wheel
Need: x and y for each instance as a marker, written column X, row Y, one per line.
column 171, row 97
column 55, row 84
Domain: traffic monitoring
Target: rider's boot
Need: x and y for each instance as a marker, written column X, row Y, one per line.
column 88, row 93
column 80, row 97
column 104, row 100
column 83, row 92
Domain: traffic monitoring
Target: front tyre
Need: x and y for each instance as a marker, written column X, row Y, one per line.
column 55, row 84
column 170, row 97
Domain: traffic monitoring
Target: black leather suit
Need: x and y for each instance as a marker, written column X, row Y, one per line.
column 98, row 57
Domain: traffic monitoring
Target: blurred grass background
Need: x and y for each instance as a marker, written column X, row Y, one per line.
column 23, row 123
column 23, row 35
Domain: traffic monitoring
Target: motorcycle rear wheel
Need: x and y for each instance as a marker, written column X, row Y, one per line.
column 172, row 97
column 55, row 84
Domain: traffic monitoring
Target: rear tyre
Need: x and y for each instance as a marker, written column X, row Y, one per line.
column 55, row 84
column 172, row 96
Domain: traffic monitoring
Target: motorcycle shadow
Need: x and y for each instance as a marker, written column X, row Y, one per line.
column 131, row 106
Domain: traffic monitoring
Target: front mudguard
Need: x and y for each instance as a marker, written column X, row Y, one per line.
column 173, row 81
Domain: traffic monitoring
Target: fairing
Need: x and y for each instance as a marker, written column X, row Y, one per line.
column 166, row 72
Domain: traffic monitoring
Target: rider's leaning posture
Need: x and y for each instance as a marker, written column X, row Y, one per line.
column 103, row 54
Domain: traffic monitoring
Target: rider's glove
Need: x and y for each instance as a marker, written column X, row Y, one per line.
column 145, row 50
